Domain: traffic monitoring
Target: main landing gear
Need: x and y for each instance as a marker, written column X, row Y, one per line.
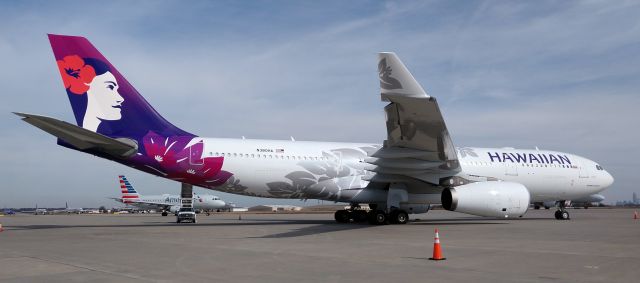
column 562, row 213
column 374, row 216
column 353, row 214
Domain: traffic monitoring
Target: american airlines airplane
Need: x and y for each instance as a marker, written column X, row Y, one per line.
column 416, row 166
column 165, row 202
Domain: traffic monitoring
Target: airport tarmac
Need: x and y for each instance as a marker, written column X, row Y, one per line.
column 596, row 245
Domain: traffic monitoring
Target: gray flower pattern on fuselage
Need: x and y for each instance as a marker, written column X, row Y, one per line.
column 321, row 180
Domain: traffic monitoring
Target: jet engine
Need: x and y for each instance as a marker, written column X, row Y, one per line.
column 493, row 199
column 174, row 208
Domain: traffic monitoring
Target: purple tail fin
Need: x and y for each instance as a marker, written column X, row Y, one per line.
column 102, row 99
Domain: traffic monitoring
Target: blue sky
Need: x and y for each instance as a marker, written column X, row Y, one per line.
column 560, row 75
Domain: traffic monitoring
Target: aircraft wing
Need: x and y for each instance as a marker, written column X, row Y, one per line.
column 81, row 138
column 418, row 145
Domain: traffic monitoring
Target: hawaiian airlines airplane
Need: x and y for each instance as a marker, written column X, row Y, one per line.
column 416, row 166
column 165, row 202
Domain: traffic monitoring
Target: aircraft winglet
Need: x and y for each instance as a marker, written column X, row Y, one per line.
column 395, row 78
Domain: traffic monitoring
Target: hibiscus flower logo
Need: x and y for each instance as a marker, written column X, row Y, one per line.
column 467, row 151
column 76, row 76
column 180, row 158
column 386, row 80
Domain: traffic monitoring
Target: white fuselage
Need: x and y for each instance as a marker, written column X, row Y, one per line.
column 337, row 171
column 207, row 202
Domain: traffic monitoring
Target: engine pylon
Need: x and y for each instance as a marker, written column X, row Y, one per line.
column 437, row 250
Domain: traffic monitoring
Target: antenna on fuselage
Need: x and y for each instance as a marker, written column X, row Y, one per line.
column 292, row 139
column 537, row 148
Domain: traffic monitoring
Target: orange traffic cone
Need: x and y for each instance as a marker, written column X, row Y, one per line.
column 1, row 229
column 635, row 215
column 437, row 251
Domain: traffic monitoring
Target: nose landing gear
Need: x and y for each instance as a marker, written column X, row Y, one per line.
column 562, row 213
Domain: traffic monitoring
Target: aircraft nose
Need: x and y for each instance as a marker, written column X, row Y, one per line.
column 608, row 179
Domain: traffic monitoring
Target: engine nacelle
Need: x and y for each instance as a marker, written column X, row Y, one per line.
column 174, row 208
column 493, row 199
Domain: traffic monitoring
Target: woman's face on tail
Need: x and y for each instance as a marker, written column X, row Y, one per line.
column 103, row 91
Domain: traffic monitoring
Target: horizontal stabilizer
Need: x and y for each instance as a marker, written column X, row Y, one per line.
column 81, row 138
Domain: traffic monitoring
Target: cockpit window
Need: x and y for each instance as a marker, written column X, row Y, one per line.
column 599, row 167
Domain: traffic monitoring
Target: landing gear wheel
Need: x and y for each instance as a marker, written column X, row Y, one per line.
column 562, row 215
column 164, row 213
column 393, row 216
column 342, row 216
column 377, row 217
column 536, row 207
column 401, row 217
column 359, row 215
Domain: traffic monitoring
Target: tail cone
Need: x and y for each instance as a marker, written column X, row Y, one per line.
column 437, row 250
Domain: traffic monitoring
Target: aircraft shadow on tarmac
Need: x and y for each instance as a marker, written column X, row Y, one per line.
column 317, row 226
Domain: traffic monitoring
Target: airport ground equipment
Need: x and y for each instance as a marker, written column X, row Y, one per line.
column 437, row 250
column 186, row 214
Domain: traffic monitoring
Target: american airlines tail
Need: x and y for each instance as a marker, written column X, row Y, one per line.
column 129, row 194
